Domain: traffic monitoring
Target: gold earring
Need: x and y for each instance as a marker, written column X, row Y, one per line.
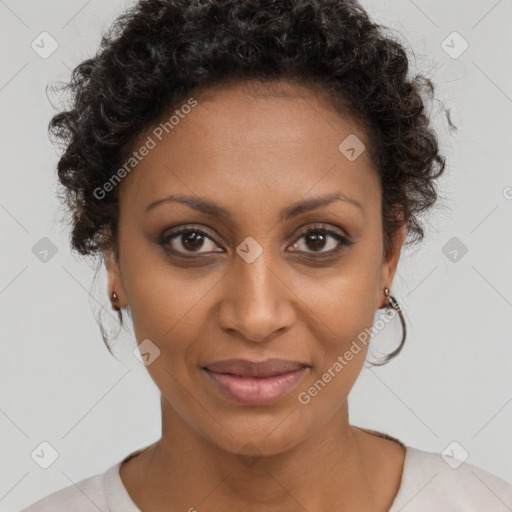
column 114, row 298
column 391, row 302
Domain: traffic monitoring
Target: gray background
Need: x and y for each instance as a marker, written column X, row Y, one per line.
column 452, row 381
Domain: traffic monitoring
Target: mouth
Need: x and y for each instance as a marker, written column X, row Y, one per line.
column 255, row 383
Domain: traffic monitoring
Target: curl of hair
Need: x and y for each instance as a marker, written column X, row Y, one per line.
column 159, row 51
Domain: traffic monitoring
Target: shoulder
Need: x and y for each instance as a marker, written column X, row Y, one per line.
column 103, row 491
column 87, row 495
column 429, row 479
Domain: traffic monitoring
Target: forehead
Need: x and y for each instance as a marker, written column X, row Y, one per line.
column 254, row 142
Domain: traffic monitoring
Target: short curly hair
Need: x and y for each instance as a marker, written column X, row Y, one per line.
column 159, row 51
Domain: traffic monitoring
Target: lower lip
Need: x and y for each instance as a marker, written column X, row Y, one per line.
column 256, row 390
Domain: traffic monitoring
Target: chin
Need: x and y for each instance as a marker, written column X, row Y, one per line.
column 263, row 435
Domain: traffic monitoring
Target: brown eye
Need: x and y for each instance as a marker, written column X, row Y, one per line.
column 189, row 240
column 318, row 238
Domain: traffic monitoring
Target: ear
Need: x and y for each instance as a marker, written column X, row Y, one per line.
column 115, row 283
column 390, row 264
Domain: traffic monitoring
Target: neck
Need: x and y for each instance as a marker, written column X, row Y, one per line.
column 329, row 470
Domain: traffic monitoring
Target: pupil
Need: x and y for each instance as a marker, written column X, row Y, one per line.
column 318, row 240
column 193, row 241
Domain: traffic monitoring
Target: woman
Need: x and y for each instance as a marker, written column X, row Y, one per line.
column 248, row 172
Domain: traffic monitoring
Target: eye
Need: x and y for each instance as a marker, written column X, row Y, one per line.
column 190, row 239
column 316, row 238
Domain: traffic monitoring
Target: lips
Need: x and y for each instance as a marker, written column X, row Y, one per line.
column 244, row 368
column 255, row 382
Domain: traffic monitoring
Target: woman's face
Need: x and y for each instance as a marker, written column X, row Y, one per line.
column 256, row 281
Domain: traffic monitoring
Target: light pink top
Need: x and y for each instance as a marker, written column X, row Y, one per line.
column 428, row 484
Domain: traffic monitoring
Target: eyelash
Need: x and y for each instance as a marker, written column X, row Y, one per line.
column 320, row 228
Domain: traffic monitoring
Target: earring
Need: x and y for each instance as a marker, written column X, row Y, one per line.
column 392, row 303
column 116, row 307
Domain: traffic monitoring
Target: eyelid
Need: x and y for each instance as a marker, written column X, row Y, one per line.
column 320, row 226
column 178, row 230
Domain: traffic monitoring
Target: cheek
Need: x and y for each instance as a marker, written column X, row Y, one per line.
column 343, row 302
column 165, row 299
column 343, row 336
column 340, row 313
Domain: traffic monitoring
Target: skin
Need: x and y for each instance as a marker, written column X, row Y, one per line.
column 255, row 150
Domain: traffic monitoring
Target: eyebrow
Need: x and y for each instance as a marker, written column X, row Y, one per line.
column 212, row 209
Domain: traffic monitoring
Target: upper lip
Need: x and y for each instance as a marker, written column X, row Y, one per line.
column 245, row 368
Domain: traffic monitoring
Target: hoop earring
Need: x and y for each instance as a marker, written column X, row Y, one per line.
column 392, row 303
column 114, row 298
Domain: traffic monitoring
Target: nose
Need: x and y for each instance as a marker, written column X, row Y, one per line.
column 256, row 302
